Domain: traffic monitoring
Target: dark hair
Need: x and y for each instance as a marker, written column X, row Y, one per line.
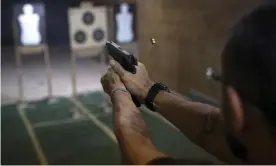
column 249, row 60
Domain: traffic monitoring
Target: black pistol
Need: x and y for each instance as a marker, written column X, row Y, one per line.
column 125, row 59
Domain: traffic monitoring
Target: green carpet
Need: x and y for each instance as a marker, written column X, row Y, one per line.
column 41, row 111
column 79, row 141
column 16, row 147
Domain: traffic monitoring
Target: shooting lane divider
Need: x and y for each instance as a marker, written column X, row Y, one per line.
column 66, row 121
column 49, row 76
column 22, row 50
column 58, row 122
column 19, row 75
column 74, row 74
column 19, row 51
column 34, row 140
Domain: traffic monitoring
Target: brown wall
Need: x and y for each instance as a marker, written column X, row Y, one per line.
column 190, row 36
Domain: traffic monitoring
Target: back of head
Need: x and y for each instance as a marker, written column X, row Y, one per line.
column 249, row 60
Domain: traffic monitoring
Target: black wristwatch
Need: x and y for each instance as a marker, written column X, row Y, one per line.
column 154, row 90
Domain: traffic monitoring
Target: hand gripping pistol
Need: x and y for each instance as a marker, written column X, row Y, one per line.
column 125, row 59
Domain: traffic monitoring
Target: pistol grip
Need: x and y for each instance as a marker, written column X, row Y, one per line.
column 136, row 102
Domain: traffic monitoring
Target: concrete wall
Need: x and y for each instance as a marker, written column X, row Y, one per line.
column 190, row 36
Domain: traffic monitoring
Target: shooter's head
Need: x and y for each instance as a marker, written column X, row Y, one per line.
column 249, row 85
column 28, row 9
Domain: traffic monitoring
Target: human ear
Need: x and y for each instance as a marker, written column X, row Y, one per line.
column 236, row 109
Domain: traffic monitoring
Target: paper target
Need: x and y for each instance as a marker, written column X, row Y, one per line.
column 98, row 35
column 125, row 22
column 29, row 24
column 87, row 27
column 88, row 18
column 80, row 37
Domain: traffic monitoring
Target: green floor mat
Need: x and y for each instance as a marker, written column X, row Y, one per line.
column 16, row 146
column 107, row 120
column 92, row 100
column 81, row 143
column 42, row 111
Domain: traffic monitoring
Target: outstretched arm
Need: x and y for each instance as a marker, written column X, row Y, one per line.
column 129, row 127
column 201, row 123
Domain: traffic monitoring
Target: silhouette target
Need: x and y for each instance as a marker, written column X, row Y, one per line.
column 38, row 8
column 131, row 10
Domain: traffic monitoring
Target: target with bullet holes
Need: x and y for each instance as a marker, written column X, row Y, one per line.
column 87, row 26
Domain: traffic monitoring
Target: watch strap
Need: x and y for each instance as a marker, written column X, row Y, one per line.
column 154, row 90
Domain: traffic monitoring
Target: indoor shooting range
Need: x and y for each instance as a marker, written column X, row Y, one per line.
column 55, row 56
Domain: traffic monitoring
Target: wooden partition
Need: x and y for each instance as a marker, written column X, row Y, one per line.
column 190, row 36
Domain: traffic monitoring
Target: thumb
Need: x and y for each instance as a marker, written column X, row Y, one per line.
column 117, row 68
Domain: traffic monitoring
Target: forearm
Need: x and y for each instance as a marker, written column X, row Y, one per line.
column 131, row 131
column 184, row 114
column 201, row 123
